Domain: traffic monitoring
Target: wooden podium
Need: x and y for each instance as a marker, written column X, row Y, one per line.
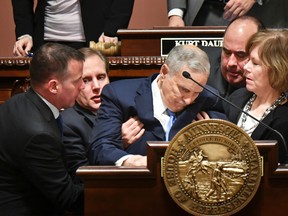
column 141, row 191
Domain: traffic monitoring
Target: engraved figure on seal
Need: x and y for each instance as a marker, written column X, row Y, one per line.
column 209, row 180
column 217, row 183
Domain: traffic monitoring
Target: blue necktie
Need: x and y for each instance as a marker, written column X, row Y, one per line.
column 172, row 119
column 60, row 124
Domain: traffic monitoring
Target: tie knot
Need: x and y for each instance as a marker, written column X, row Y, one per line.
column 170, row 113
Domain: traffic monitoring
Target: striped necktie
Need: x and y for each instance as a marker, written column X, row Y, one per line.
column 171, row 121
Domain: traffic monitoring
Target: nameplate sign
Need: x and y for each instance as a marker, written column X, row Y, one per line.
column 206, row 42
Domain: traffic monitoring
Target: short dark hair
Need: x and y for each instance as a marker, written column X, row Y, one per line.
column 51, row 59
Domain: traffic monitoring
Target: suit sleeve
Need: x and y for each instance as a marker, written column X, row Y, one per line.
column 23, row 15
column 171, row 4
column 106, row 140
column 119, row 16
column 239, row 98
column 75, row 148
column 44, row 166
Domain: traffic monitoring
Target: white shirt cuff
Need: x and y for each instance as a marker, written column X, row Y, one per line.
column 120, row 161
column 176, row 12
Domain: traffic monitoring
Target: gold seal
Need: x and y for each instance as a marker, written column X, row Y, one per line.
column 212, row 167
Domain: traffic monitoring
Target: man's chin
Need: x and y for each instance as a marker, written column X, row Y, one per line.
column 238, row 84
column 236, row 81
column 96, row 106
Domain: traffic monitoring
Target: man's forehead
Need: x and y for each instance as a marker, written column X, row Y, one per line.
column 234, row 50
column 234, row 44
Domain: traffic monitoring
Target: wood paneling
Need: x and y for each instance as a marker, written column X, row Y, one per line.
column 141, row 191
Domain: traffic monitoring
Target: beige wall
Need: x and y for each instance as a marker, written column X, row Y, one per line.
column 7, row 35
column 146, row 14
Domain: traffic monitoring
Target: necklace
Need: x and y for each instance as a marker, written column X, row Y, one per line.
column 248, row 106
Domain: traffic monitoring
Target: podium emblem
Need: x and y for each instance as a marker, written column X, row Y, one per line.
column 212, row 167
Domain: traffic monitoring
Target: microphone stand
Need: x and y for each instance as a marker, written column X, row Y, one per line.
column 188, row 76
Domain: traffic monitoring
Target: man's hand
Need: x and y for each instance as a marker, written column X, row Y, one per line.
column 236, row 8
column 132, row 130
column 23, row 46
column 201, row 116
column 107, row 39
column 135, row 161
column 175, row 21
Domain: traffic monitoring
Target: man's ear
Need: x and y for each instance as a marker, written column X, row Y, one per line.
column 53, row 86
column 164, row 70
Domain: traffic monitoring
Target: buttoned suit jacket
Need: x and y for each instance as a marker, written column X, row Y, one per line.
column 33, row 176
column 123, row 99
column 276, row 119
column 77, row 126
column 97, row 16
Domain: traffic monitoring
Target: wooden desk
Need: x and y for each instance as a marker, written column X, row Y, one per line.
column 141, row 191
column 147, row 42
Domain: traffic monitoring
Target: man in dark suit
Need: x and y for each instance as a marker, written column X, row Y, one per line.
column 228, row 67
column 148, row 99
column 79, row 120
column 219, row 12
column 33, row 176
column 72, row 22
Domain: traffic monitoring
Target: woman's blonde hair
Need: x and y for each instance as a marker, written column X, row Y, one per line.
column 273, row 52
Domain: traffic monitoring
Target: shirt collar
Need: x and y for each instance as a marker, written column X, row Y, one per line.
column 54, row 109
column 158, row 105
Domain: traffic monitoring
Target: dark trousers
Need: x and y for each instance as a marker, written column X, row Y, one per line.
column 211, row 14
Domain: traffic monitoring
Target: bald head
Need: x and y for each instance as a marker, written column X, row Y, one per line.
column 234, row 56
column 240, row 30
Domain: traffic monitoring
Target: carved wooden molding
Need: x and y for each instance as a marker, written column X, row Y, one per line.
column 137, row 60
column 15, row 61
column 113, row 61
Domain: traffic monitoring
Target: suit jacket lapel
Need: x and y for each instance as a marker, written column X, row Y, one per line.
column 88, row 116
column 184, row 118
column 144, row 107
column 40, row 104
column 260, row 130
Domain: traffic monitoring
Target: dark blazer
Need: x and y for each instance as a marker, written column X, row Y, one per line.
column 276, row 119
column 123, row 99
column 272, row 13
column 97, row 16
column 77, row 127
column 33, row 177
column 216, row 79
column 190, row 8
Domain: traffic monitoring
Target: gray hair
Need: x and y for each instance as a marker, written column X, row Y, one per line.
column 192, row 57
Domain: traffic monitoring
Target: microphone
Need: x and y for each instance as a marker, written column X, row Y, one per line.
column 188, row 76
